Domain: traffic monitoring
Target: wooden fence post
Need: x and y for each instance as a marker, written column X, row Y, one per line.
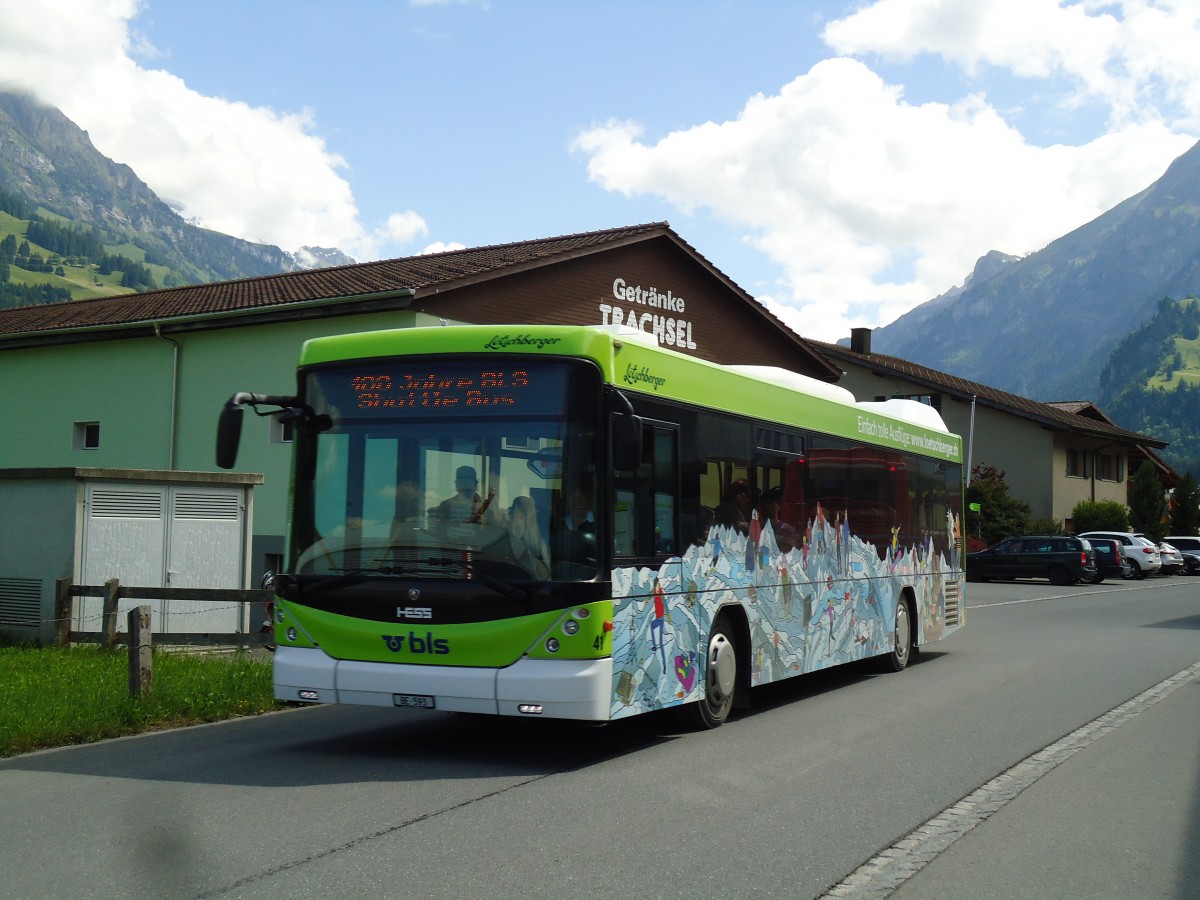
column 62, row 612
column 112, row 592
column 141, row 660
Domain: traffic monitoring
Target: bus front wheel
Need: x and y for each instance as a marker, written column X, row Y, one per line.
column 720, row 678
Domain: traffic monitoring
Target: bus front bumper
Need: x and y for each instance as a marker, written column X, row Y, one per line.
column 546, row 688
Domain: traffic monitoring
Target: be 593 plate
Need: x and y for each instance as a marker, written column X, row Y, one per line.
column 421, row 701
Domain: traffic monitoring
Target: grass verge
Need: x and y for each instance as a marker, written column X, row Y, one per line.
column 58, row 696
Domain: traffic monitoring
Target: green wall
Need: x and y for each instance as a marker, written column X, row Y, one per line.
column 125, row 385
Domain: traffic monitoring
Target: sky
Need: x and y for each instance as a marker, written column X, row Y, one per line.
column 843, row 162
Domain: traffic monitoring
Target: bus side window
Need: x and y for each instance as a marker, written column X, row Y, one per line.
column 645, row 505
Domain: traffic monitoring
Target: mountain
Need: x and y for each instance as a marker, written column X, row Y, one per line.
column 1044, row 326
column 50, row 163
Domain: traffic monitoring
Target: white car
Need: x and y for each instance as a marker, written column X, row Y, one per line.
column 1172, row 559
column 1142, row 553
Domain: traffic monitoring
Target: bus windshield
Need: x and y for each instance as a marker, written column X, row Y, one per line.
column 449, row 469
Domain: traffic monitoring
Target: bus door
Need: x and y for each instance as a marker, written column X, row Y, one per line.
column 653, row 622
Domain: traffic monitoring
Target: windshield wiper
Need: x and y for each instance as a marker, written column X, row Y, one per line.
column 475, row 573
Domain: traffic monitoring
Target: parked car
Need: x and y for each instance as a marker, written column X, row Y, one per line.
column 1110, row 561
column 1172, row 559
column 1191, row 562
column 1142, row 554
column 1061, row 558
column 1190, row 548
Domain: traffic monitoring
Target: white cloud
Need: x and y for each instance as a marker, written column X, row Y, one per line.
column 443, row 247
column 871, row 205
column 246, row 171
column 1120, row 52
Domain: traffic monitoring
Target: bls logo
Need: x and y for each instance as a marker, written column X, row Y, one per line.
column 416, row 643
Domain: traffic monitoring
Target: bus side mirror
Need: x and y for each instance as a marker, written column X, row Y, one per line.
column 229, row 426
column 229, row 433
column 626, row 434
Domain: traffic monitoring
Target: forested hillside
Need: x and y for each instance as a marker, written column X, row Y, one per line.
column 1151, row 383
column 43, row 259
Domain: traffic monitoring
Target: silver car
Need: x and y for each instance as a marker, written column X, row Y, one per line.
column 1172, row 559
column 1142, row 553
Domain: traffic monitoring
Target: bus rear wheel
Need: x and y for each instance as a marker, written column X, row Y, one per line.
column 897, row 660
column 720, row 678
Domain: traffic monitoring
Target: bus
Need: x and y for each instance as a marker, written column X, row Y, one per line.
column 574, row 522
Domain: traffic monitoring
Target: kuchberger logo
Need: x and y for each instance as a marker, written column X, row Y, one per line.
column 642, row 375
column 416, row 643
column 504, row 341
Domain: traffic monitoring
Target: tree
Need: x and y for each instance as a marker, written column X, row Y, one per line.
column 1185, row 507
column 1147, row 505
column 1099, row 515
column 1000, row 515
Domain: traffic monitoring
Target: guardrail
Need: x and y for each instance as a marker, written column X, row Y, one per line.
column 112, row 591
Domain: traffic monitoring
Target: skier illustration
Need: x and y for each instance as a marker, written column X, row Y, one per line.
column 657, row 623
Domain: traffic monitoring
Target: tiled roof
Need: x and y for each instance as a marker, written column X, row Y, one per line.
column 1059, row 416
column 362, row 280
column 1078, row 407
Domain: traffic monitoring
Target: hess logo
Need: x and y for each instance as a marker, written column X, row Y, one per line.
column 416, row 643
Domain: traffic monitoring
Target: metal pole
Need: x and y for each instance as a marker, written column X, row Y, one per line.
column 970, row 440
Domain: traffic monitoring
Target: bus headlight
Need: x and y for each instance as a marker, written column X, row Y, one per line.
column 570, row 627
column 552, row 645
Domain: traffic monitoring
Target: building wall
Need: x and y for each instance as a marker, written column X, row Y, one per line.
column 1071, row 490
column 120, row 384
column 715, row 323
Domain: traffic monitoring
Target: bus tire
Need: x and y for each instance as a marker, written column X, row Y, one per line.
column 898, row 659
column 720, row 678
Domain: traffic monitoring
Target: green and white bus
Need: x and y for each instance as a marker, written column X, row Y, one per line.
column 574, row 522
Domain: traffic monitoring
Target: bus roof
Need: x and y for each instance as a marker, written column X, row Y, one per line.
column 634, row 362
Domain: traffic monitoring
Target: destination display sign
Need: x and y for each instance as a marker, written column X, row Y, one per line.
column 441, row 387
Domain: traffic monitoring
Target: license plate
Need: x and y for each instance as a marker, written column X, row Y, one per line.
column 422, row 701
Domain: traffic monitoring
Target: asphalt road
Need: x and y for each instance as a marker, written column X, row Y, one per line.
column 786, row 800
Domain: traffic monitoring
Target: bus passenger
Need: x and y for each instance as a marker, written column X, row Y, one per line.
column 526, row 547
column 734, row 509
column 466, row 505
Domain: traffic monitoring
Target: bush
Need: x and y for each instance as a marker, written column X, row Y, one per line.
column 1099, row 515
column 974, row 543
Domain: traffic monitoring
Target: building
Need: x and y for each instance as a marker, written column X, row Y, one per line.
column 1054, row 455
column 136, row 382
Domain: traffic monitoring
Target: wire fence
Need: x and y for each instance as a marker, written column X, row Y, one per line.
column 113, row 592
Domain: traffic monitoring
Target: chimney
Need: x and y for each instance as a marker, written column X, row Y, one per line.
column 860, row 340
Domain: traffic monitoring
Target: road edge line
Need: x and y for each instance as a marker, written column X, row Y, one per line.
column 890, row 868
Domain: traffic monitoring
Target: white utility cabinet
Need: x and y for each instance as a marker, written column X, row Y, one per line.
column 145, row 528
